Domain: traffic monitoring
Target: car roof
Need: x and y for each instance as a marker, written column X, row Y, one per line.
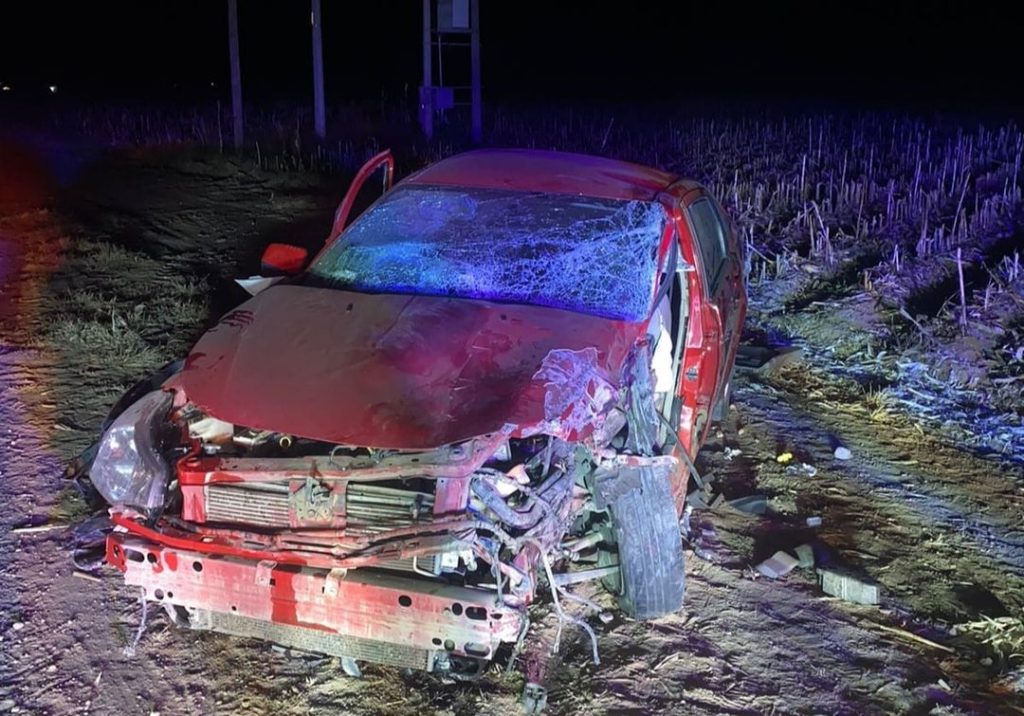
column 545, row 171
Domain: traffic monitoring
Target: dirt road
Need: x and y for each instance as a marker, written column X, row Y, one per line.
column 122, row 267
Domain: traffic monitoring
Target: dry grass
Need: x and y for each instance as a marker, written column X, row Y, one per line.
column 1002, row 638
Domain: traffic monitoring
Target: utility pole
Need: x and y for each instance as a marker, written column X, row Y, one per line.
column 426, row 90
column 236, row 72
column 476, row 110
column 319, row 113
column 448, row 26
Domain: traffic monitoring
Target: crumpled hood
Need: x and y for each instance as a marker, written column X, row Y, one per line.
column 394, row 371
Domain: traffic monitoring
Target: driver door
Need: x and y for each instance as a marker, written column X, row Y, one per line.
column 384, row 163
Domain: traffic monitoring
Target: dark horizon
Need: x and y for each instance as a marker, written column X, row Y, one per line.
column 878, row 53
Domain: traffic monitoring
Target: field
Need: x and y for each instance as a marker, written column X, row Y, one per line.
column 885, row 249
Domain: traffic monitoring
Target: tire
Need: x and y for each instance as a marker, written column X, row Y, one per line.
column 651, row 579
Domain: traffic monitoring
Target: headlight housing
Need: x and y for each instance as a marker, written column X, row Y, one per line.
column 129, row 468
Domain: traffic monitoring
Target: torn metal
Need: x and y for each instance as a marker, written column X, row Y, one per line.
column 355, row 551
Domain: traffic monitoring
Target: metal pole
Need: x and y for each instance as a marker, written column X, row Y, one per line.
column 426, row 96
column 236, row 72
column 319, row 113
column 477, row 130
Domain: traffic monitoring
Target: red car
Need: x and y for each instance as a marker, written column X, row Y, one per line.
column 497, row 377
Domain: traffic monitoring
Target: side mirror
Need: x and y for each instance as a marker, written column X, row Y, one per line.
column 283, row 259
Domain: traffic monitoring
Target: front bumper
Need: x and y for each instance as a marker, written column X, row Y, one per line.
column 361, row 613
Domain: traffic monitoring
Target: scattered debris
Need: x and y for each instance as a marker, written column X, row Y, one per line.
column 784, row 458
column 705, row 543
column 802, row 468
column 129, row 649
column 848, row 588
column 698, row 500
column 751, row 504
column 86, row 576
column 767, row 360
column 535, row 698
column 805, row 555
column 351, row 667
column 843, row 453
column 39, row 528
column 814, row 521
column 730, row 453
column 911, row 636
column 778, row 565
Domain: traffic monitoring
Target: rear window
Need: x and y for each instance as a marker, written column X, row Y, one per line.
column 595, row 256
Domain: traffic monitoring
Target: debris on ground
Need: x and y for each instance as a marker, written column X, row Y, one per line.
column 814, row 521
column 778, row 565
column 751, row 504
column 730, row 453
column 843, row 453
column 802, row 469
column 847, row 587
column 784, row 458
column 705, row 543
column 805, row 555
column 535, row 698
column 351, row 667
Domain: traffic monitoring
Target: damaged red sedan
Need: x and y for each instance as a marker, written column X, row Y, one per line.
column 494, row 379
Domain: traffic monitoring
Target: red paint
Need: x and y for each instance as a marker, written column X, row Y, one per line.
column 224, row 543
column 385, row 160
column 549, row 172
column 387, row 371
column 354, row 605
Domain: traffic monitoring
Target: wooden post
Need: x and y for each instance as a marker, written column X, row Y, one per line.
column 426, row 103
column 319, row 113
column 236, row 72
column 477, row 130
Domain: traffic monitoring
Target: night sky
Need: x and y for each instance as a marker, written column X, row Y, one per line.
column 946, row 53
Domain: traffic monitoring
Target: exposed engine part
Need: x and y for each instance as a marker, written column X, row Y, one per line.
column 211, row 430
column 519, row 517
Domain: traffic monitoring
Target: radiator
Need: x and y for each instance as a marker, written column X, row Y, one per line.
column 367, row 508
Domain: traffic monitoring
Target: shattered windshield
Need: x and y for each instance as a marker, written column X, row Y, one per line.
column 595, row 256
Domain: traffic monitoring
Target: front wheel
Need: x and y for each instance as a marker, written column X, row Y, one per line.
column 651, row 578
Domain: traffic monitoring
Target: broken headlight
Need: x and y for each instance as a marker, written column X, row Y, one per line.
column 129, row 468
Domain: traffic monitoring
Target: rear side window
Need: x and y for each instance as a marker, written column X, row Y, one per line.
column 711, row 239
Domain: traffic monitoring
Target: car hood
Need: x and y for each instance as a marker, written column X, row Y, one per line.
column 397, row 371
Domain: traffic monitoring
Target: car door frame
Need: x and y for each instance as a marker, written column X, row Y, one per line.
column 341, row 215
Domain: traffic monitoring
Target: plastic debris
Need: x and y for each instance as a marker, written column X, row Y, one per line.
column 535, row 698
column 351, row 667
column 802, row 469
column 784, row 458
column 730, row 453
column 848, row 588
column 751, row 504
column 814, row 521
column 698, row 500
column 778, row 565
column 843, row 453
column 805, row 555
